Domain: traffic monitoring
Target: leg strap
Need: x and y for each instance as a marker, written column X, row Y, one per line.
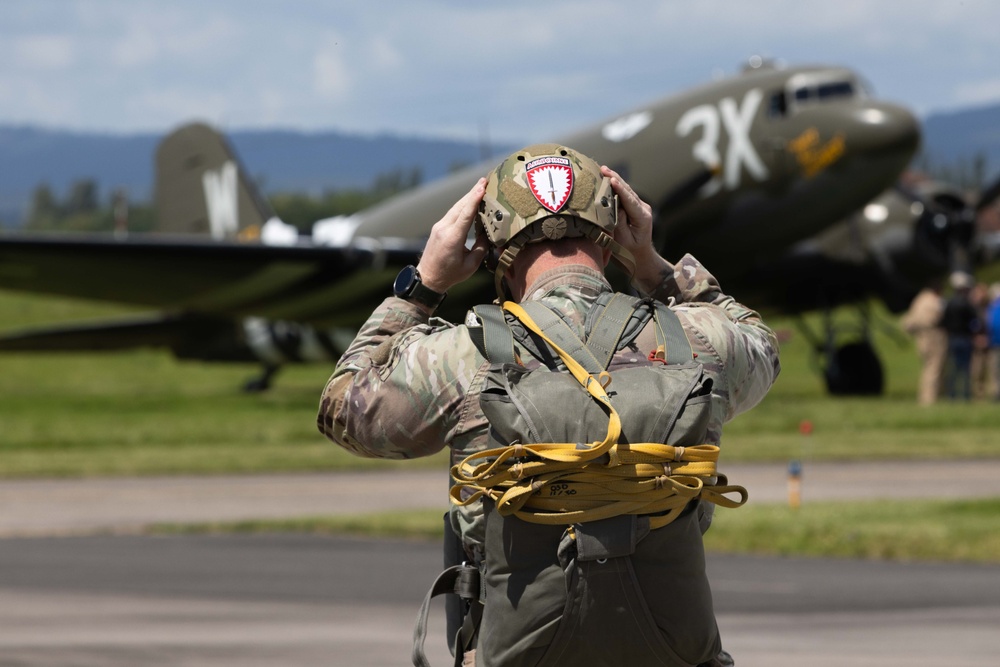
column 463, row 581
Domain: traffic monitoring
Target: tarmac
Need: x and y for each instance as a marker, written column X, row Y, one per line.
column 50, row 507
column 81, row 585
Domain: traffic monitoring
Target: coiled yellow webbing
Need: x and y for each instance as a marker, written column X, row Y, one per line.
column 564, row 483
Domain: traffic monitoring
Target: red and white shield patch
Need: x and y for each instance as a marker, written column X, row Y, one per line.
column 551, row 181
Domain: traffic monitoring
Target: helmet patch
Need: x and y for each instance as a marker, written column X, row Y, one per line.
column 550, row 179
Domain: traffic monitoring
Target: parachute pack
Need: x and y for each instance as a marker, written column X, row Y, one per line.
column 594, row 484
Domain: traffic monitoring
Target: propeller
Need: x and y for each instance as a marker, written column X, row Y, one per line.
column 946, row 223
column 987, row 247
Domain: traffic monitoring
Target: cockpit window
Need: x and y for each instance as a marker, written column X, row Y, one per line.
column 824, row 91
column 778, row 105
column 820, row 87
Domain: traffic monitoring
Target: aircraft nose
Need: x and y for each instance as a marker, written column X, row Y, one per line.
column 880, row 127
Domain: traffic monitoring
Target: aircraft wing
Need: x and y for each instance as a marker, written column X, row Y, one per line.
column 153, row 330
column 306, row 283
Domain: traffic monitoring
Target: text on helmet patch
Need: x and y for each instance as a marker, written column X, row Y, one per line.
column 551, row 181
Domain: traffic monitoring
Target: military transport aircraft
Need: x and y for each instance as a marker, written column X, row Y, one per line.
column 743, row 172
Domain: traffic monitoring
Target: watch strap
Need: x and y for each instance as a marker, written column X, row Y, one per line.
column 425, row 295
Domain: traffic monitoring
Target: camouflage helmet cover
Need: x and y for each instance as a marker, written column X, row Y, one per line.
column 549, row 184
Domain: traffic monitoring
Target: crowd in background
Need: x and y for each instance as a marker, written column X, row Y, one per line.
column 958, row 339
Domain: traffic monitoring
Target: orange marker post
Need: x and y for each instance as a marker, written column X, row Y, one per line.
column 795, row 467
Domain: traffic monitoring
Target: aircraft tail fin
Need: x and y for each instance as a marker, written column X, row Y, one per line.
column 202, row 187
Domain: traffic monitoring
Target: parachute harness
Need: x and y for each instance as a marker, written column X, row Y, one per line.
column 566, row 483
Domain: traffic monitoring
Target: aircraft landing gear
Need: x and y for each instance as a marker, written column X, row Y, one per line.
column 854, row 369
column 262, row 382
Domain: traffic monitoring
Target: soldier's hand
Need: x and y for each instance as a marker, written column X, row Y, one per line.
column 635, row 233
column 446, row 261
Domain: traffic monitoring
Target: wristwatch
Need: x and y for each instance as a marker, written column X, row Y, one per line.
column 409, row 287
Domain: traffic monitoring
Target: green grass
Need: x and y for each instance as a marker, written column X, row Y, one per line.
column 935, row 530
column 143, row 412
column 939, row 530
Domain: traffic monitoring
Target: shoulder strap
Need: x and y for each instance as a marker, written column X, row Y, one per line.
column 670, row 334
column 494, row 338
column 605, row 332
column 561, row 334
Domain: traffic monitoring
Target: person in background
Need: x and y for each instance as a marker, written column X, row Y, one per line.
column 992, row 325
column 979, row 370
column 961, row 322
column 923, row 322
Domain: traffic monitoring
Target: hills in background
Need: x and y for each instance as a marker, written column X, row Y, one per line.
column 312, row 162
column 280, row 161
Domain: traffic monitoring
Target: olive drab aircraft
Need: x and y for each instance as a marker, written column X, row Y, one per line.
column 746, row 172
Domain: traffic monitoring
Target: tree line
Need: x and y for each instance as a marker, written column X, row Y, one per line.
column 82, row 208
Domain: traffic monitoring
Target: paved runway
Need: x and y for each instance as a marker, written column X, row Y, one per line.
column 76, row 588
column 227, row 601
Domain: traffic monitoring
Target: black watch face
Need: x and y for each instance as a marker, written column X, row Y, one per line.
column 404, row 281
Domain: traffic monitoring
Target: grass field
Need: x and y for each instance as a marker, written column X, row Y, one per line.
column 143, row 412
column 937, row 530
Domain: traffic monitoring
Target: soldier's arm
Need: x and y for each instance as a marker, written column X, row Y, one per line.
column 730, row 334
column 401, row 389
column 745, row 347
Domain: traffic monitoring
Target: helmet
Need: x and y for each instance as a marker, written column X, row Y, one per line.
column 546, row 192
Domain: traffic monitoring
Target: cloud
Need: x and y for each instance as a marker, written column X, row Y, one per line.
column 44, row 52
column 331, row 74
column 977, row 92
column 525, row 70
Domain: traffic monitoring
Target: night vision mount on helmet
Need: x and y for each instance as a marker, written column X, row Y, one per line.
column 547, row 192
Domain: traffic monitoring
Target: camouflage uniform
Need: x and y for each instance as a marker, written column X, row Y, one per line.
column 407, row 387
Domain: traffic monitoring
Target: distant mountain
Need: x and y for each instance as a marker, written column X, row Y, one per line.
column 955, row 139
column 281, row 160
column 290, row 161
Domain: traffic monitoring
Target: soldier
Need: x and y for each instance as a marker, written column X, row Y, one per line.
column 549, row 220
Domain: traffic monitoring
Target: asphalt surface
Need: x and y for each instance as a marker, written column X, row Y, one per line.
column 304, row 600
column 88, row 506
column 80, row 587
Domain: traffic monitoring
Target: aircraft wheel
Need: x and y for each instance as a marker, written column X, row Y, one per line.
column 854, row 370
column 261, row 382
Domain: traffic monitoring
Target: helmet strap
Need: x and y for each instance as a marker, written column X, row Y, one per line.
column 621, row 255
column 503, row 264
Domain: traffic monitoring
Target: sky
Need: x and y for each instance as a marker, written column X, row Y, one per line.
column 501, row 71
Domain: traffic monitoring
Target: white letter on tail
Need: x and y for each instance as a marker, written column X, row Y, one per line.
column 220, row 197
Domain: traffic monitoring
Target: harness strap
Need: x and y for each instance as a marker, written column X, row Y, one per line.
column 576, row 475
column 670, row 334
column 558, row 333
column 494, row 339
column 605, row 334
column 464, row 581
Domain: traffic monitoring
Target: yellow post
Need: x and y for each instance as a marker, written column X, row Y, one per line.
column 794, row 484
column 795, row 467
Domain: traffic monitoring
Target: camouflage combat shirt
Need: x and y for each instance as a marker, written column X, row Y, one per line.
column 409, row 385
